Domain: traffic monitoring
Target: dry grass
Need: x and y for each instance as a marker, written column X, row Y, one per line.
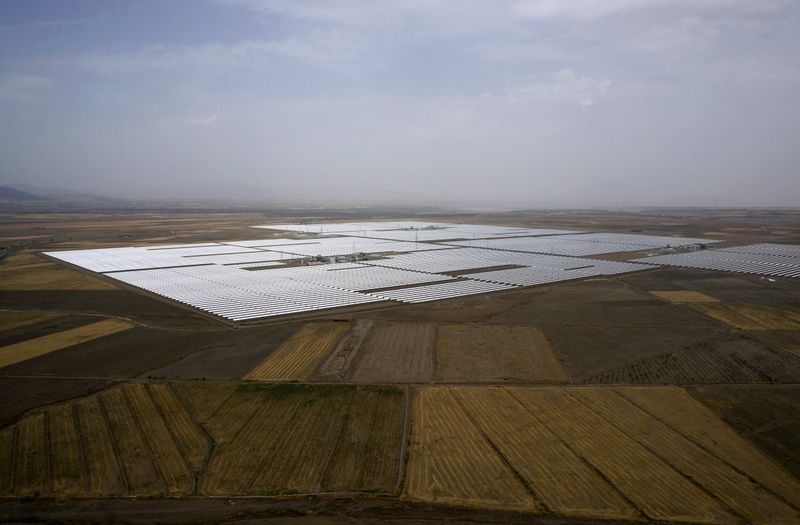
column 50, row 343
column 754, row 316
column 12, row 320
column 685, row 296
column 298, row 357
column 490, row 353
column 26, row 271
column 609, row 453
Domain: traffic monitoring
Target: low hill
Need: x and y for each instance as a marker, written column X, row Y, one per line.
column 11, row 194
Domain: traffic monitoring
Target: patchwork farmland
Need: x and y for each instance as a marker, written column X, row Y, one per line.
column 401, row 370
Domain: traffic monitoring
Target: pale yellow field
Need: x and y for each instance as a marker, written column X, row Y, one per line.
column 606, row 453
column 50, row 343
column 12, row 320
column 26, row 271
column 754, row 316
column 298, row 357
column 685, row 296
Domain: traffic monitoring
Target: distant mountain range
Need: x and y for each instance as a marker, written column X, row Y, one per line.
column 28, row 192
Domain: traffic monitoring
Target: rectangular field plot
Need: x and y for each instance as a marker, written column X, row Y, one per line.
column 754, row 316
column 776, row 260
column 395, row 353
column 472, row 353
column 603, row 453
column 301, row 439
column 131, row 440
column 298, row 357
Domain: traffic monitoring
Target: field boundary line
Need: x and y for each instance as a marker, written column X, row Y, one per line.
column 669, row 464
column 211, row 444
column 711, row 452
column 137, row 422
column 73, row 411
column 591, row 466
column 405, row 441
column 120, row 465
column 172, row 436
column 539, row 503
column 48, row 462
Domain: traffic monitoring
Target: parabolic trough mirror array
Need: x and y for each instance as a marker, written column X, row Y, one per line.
column 333, row 265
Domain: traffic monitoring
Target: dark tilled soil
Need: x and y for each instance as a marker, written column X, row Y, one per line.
column 122, row 303
column 729, row 359
column 602, row 303
column 51, row 326
column 594, row 350
column 314, row 511
column 20, row 394
column 728, row 287
column 768, row 415
column 221, row 354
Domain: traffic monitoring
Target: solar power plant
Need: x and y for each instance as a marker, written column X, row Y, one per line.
column 258, row 278
column 357, row 277
column 764, row 260
column 351, row 227
column 332, row 246
column 531, row 276
column 580, row 245
column 240, row 295
column 435, row 292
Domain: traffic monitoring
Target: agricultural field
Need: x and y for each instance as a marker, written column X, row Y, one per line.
column 301, row 354
column 147, row 440
column 621, row 453
column 45, row 344
column 472, row 353
column 395, row 353
column 662, row 396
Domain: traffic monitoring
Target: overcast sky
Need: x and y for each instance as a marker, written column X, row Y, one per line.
column 524, row 103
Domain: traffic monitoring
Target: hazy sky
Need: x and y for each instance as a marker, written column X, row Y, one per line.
column 525, row 103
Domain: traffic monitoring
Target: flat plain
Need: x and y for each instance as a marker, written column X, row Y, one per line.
column 555, row 402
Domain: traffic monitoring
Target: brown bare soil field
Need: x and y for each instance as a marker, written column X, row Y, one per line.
column 395, row 353
column 684, row 296
column 788, row 340
column 589, row 351
column 21, row 394
column 476, row 353
column 298, row 357
column 728, row 359
column 335, row 368
column 766, row 415
column 615, row 453
column 25, row 350
column 754, row 316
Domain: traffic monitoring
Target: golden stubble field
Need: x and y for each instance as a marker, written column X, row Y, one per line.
column 215, row 439
column 623, row 453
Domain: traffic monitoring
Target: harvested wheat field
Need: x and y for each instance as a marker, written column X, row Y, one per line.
column 50, row 343
column 754, row 316
column 622, row 453
column 301, row 439
column 144, row 440
column 473, row 353
column 134, row 440
column 684, row 296
column 395, row 353
column 298, row 357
